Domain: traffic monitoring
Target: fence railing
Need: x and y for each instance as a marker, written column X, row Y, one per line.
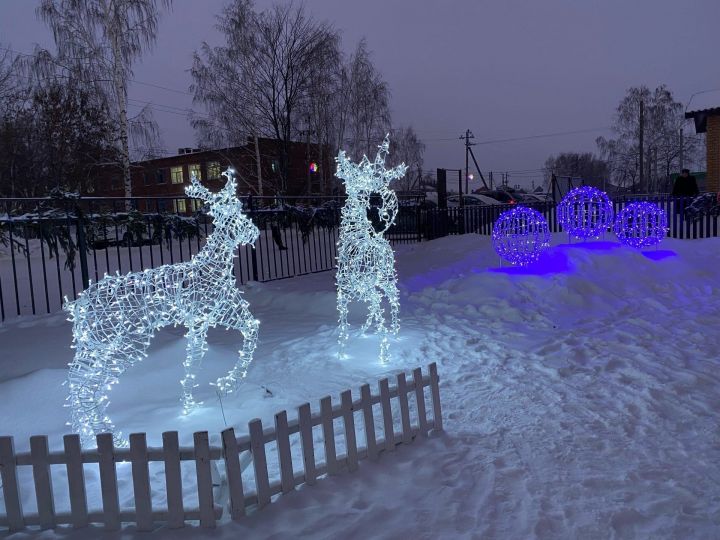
column 686, row 219
column 50, row 249
column 272, row 472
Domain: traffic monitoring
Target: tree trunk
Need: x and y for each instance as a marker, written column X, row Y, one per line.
column 259, row 166
column 121, row 94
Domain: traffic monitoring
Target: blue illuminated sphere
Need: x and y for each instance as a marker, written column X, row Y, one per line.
column 520, row 235
column 585, row 212
column 641, row 224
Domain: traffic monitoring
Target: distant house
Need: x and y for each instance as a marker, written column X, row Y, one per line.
column 310, row 172
column 704, row 109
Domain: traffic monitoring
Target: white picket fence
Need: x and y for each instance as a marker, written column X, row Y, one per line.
column 405, row 392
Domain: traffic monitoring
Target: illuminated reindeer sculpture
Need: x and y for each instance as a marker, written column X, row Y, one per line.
column 115, row 318
column 366, row 262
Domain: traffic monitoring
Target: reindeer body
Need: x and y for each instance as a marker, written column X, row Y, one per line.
column 115, row 318
column 366, row 261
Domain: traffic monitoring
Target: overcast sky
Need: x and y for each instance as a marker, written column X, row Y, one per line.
column 504, row 68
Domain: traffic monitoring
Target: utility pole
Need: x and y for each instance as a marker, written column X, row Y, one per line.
column 468, row 135
column 641, row 135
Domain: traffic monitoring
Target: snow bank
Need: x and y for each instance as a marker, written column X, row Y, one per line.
column 580, row 396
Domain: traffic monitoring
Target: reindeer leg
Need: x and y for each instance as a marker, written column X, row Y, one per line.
column 342, row 305
column 196, row 348
column 393, row 297
column 240, row 319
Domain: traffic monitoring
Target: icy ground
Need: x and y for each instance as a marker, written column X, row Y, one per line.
column 581, row 398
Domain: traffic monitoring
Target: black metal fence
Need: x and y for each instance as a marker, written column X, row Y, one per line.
column 688, row 218
column 51, row 248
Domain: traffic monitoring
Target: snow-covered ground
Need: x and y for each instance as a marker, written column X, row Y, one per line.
column 581, row 397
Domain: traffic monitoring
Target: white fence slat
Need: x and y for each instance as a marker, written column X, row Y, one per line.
column 108, row 482
column 282, row 436
column 349, row 422
column 435, row 390
column 420, row 398
column 141, row 481
column 173, row 480
column 204, row 479
column 404, row 408
column 370, row 439
column 76, row 480
column 11, row 489
column 43, row 481
column 257, row 448
column 234, row 474
column 306, row 440
column 328, row 429
column 388, row 428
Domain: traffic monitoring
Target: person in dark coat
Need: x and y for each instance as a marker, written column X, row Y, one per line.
column 685, row 185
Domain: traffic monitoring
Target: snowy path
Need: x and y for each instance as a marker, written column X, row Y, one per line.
column 580, row 401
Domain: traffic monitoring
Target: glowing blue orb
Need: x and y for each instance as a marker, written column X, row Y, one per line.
column 520, row 235
column 585, row 212
column 641, row 224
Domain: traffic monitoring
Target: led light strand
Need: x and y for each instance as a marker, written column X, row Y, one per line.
column 585, row 212
column 520, row 235
column 115, row 318
column 641, row 224
column 366, row 261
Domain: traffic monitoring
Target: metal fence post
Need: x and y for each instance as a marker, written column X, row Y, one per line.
column 82, row 247
column 253, row 252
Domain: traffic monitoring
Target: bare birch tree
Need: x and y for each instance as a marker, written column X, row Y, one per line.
column 97, row 43
column 406, row 147
column 663, row 120
column 258, row 81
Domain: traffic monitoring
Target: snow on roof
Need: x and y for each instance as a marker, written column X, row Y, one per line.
column 703, row 101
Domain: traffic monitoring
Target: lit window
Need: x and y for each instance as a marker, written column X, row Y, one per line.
column 176, row 175
column 196, row 204
column 194, row 169
column 180, row 206
column 213, row 170
column 275, row 165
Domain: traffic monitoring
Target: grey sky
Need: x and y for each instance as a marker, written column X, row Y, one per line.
column 503, row 68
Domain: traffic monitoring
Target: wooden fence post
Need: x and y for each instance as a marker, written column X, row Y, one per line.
column 370, row 439
column 435, row 392
column 141, row 481
column 173, row 480
column 404, row 408
column 10, row 486
column 350, row 439
column 306, row 439
column 234, row 474
column 257, row 448
column 76, row 480
column 388, row 428
column 420, row 398
column 108, row 482
column 204, row 479
column 43, row 481
column 328, row 429
column 282, row 437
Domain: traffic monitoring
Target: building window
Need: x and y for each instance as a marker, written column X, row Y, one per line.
column 194, row 169
column 180, row 206
column 146, row 178
column 176, row 175
column 213, row 170
column 196, row 204
column 275, row 165
column 116, row 182
column 159, row 176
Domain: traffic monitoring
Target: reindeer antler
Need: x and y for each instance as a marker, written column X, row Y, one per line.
column 230, row 188
column 197, row 190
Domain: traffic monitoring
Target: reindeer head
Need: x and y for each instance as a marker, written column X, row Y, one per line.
column 226, row 210
column 366, row 178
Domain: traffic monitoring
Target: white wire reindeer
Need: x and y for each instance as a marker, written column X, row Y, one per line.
column 366, row 261
column 115, row 318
